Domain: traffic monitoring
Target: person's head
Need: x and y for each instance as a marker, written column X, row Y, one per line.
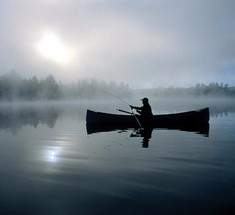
column 145, row 100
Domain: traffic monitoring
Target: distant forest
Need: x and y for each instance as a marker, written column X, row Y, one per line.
column 13, row 87
column 213, row 89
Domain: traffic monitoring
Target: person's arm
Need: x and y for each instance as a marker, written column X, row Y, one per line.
column 134, row 107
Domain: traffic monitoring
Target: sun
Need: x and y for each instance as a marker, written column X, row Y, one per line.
column 52, row 47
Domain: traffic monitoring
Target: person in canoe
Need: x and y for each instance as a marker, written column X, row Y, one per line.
column 145, row 111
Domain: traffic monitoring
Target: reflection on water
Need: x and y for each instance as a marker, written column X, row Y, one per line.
column 145, row 133
column 51, row 162
column 52, row 156
column 202, row 128
column 13, row 119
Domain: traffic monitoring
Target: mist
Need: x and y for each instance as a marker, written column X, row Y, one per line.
column 146, row 44
column 15, row 88
column 18, row 116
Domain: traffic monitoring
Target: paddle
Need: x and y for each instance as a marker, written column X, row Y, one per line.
column 132, row 113
column 124, row 111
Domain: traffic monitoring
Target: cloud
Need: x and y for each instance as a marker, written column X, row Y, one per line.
column 143, row 43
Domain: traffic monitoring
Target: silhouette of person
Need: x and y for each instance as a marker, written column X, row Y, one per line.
column 145, row 111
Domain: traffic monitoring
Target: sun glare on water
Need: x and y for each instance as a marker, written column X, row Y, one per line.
column 52, row 47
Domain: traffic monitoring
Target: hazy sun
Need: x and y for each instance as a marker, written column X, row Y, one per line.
column 52, row 47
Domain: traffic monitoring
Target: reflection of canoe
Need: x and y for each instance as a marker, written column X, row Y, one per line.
column 185, row 118
column 202, row 128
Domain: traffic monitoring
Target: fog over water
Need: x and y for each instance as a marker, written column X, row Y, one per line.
column 15, row 115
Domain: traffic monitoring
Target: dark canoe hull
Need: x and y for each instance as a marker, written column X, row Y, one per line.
column 196, row 117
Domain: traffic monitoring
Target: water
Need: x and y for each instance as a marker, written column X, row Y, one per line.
column 50, row 165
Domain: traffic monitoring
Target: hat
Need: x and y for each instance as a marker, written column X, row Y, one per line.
column 145, row 99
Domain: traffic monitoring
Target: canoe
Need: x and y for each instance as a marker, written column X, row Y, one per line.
column 195, row 117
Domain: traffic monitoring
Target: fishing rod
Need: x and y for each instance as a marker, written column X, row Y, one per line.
column 132, row 112
column 115, row 96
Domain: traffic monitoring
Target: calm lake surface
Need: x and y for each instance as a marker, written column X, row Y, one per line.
column 50, row 165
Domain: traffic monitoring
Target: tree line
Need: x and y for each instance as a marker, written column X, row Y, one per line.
column 14, row 87
column 213, row 89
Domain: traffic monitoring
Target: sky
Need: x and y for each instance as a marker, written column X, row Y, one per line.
column 148, row 43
